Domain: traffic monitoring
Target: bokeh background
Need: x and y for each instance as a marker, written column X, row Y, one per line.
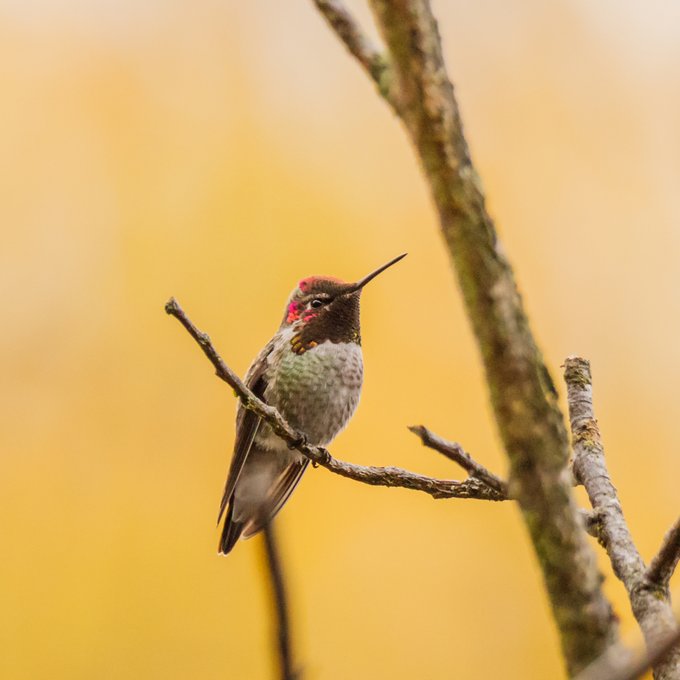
column 219, row 151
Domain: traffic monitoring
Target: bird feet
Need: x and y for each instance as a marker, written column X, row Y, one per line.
column 297, row 443
column 324, row 459
column 302, row 442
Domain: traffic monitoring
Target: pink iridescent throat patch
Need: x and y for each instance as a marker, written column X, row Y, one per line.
column 293, row 312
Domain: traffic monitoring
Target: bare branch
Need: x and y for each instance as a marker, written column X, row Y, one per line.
column 455, row 452
column 523, row 396
column 393, row 476
column 375, row 476
column 357, row 42
column 591, row 523
column 650, row 603
column 663, row 565
column 280, row 604
column 613, row 665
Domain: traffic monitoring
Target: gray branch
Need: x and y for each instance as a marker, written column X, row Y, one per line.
column 375, row 476
column 649, row 600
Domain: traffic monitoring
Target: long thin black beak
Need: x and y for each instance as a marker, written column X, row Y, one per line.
column 354, row 287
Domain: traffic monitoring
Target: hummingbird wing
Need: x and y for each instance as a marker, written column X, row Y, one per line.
column 247, row 425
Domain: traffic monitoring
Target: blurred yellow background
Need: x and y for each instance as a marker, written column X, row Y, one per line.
column 218, row 152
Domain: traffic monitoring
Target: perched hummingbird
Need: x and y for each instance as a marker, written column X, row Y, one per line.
column 311, row 371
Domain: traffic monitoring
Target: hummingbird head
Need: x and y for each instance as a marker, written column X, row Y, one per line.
column 323, row 308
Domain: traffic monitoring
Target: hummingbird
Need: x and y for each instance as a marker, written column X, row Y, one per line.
column 311, row 371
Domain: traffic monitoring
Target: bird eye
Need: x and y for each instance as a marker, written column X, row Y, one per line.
column 317, row 303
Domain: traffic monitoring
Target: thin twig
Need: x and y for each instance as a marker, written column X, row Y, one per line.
column 375, row 476
column 455, row 452
column 357, row 42
column 650, row 603
column 280, row 602
column 610, row 666
column 664, row 562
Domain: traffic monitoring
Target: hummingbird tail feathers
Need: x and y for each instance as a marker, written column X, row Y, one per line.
column 231, row 532
column 269, row 489
column 278, row 495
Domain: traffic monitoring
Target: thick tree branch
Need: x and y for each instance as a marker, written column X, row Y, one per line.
column 280, row 605
column 649, row 601
column 455, row 452
column 375, row 476
column 523, row 397
column 663, row 565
